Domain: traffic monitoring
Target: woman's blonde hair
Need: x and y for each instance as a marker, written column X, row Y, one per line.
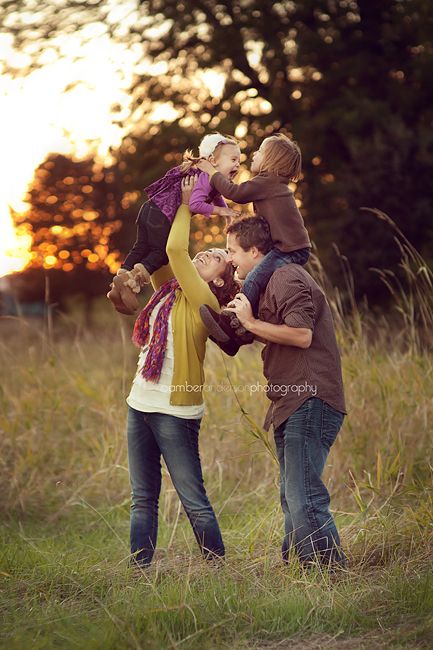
column 282, row 157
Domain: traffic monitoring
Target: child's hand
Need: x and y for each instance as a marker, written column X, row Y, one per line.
column 140, row 275
column 228, row 213
column 205, row 166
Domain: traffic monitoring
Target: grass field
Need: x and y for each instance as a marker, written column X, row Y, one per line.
column 65, row 503
column 64, row 498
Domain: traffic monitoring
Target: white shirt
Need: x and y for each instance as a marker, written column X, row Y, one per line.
column 151, row 397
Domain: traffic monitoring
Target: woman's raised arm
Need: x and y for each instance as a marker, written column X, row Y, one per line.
column 195, row 289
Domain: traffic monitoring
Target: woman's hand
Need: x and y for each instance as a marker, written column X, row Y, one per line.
column 206, row 167
column 187, row 186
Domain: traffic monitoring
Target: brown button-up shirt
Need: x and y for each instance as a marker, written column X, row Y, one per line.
column 295, row 374
column 274, row 201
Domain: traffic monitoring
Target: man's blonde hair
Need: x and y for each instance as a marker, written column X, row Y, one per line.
column 282, row 157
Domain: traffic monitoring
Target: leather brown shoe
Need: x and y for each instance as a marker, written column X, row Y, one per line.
column 225, row 326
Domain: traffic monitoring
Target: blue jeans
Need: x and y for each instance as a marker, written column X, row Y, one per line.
column 257, row 279
column 151, row 435
column 303, row 442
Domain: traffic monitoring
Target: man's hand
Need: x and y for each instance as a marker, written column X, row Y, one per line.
column 299, row 337
column 187, row 185
column 241, row 306
column 206, row 167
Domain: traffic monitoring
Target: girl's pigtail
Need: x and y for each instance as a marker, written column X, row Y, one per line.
column 189, row 160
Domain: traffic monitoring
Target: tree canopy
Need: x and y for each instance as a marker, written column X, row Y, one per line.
column 349, row 79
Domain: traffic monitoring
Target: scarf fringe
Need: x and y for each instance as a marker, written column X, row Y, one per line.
column 152, row 367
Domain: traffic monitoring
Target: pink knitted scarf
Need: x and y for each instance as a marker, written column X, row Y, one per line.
column 156, row 351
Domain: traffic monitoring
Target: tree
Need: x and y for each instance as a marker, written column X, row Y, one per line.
column 349, row 79
column 73, row 216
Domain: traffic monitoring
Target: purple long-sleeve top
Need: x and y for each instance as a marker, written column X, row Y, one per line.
column 204, row 197
column 166, row 193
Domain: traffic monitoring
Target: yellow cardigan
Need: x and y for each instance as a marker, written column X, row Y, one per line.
column 189, row 333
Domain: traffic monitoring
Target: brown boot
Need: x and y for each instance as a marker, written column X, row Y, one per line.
column 225, row 326
column 230, row 347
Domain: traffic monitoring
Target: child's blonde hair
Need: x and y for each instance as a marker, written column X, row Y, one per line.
column 282, row 157
column 189, row 160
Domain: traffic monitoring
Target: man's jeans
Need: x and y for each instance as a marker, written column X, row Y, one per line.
column 258, row 278
column 303, row 442
column 149, row 436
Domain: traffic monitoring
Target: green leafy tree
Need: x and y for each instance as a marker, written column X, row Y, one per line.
column 349, row 79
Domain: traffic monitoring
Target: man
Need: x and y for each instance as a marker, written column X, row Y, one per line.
column 301, row 362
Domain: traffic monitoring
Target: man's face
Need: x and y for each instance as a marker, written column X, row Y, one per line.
column 243, row 261
column 227, row 160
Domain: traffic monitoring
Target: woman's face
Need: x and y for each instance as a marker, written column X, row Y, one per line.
column 211, row 264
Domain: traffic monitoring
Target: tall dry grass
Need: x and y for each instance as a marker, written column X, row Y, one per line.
column 64, row 492
column 63, row 411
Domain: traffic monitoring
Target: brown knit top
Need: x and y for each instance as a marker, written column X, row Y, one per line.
column 273, row 200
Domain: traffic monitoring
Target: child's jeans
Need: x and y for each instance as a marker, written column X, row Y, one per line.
column 258, row 278
column 153, row 229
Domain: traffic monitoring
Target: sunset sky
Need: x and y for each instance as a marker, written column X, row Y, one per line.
column 64, row 107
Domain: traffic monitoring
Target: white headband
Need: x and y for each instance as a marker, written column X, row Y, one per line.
column 209, row 143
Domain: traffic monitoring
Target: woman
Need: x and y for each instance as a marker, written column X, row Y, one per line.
column 166, row 400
